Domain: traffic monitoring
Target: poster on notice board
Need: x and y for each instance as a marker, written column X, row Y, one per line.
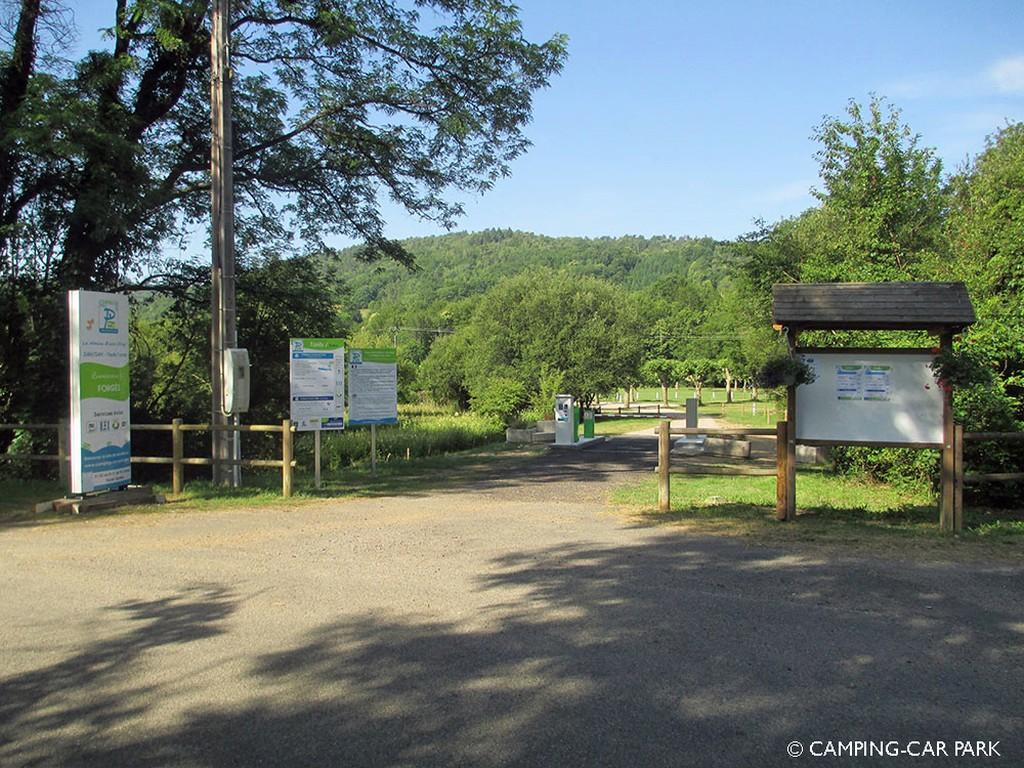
column 372, row 386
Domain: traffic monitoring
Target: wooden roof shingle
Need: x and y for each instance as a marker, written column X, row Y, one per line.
column 872, row 306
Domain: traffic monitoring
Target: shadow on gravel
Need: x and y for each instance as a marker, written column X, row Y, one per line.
column 95, row 688
column 607, row 463
column 668, row 653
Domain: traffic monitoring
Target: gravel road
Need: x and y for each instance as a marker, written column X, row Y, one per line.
column 509, row 619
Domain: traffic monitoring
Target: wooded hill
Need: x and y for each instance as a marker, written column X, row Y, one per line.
column 460, row 265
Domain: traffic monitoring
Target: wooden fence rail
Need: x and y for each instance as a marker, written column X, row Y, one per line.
column 177, row 459
column 653, row 411
column 783, row 482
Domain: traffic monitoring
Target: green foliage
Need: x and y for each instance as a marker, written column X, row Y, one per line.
column 421, row 434
column 903, row 467
column 882, row 204
column 662, row 371
column 985, row 224
column 539, row 329
column 784, row 371
column 105, row 160
column 960, row 368
column 461, row 265
column 278, row 299
column 500, row 397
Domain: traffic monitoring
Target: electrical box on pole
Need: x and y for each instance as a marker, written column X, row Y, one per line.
column 236, row 381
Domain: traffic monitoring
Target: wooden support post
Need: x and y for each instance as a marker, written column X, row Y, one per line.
column 287, row 454
column 781, row 470
column 791, row 418
column 316, row 459
column 63, row 457
column 947, row 480
column 177, row 453
column 664, row 457
column 958, row 477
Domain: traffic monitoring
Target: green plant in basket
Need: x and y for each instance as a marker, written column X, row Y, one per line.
column 784, row 371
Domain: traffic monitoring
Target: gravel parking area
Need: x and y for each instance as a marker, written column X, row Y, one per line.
column 513, row 619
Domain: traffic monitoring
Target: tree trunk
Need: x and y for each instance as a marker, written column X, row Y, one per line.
column 664, row 393
column 13, row 87
column 728, row 386
column 629, row 391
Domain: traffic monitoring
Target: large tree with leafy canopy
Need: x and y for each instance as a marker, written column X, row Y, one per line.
column 338, row 105
column 882, row 202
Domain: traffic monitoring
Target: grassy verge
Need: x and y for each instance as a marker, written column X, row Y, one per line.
column 263, row 489
column 622, row 425
column 833, row 510
column 419, row 433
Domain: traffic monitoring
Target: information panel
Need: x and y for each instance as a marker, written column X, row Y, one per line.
column 317, row 376
column 101, row 454
column 870, row 397
column 372, row 386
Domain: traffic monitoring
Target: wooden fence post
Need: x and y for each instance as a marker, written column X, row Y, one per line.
column 177, row 453
column 664, row 457
column 63, row 459
column 781, row 470
column 286, row 458
column 958, row 477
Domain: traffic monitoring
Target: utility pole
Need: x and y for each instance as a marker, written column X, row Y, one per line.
column 223, row 332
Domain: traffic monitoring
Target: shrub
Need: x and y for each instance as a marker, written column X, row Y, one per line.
column 500, row 397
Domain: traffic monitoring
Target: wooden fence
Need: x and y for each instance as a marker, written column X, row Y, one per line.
column 665, row 432
column 785, row 464
column 652, row 411
column 177, row 460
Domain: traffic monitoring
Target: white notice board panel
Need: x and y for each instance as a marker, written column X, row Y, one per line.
column 317, row 378
column 870, row 397
column 372, row 386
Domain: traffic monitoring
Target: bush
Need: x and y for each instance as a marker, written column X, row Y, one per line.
column 910, row 468
column 500, row 397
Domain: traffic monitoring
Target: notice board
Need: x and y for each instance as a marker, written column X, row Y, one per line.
column 372, row 386
column 316, row 376
column 870, row 397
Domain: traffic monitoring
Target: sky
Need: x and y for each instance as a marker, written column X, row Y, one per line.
column 695, row 117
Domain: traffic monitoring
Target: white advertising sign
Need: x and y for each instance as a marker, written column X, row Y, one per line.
column 372, row 386
column 100, row 430
column 317, row 376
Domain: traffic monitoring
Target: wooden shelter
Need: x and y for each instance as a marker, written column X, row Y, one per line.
column 940, row 309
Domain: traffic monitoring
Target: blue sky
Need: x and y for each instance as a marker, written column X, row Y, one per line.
column 695, row 118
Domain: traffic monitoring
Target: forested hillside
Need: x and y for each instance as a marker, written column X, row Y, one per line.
column 460, row 265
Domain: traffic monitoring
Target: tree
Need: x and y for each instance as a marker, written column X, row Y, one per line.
column 336, row 105
column 882, row 202
column 278, row 299
column 985, row 225
column 663, row 372
column 540, row 328
column 697, row 371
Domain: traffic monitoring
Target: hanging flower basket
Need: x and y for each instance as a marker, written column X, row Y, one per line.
column 784, row 372
column 955, row 369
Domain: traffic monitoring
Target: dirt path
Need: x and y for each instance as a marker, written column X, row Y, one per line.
column 507, row 618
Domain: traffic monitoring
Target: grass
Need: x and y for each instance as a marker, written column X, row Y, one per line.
column 832, row 510
column 622, row 425
column 263, row 488
column 421, row 432
column 742, row 412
